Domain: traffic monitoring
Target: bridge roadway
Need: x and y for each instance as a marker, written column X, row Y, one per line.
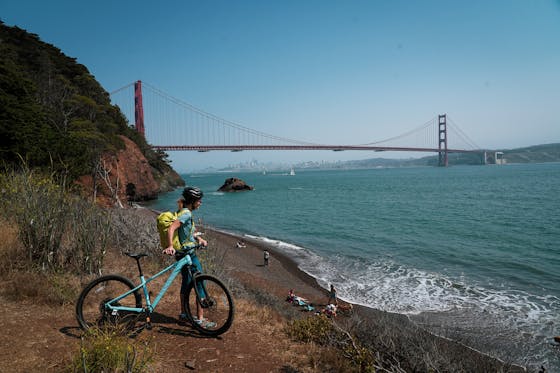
column 336, row 148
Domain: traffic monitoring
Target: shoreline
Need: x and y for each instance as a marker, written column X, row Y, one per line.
column 284, row 274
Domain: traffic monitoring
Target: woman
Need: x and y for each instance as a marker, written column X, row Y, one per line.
column 188, row 237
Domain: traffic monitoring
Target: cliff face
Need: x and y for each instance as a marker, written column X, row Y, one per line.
column 127, row 176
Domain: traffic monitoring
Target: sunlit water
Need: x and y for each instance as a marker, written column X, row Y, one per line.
column 471, row 253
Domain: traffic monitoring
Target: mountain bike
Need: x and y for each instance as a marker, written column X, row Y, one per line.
column 112, row 300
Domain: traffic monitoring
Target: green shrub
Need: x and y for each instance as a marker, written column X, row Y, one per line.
column 343, row 353
column 112, row 351
column 311, row 329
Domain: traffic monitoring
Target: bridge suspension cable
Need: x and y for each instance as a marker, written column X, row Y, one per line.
column 428, row 125
column 121, row 89
column 173, row 124
column 215, row 120
column 462, row 135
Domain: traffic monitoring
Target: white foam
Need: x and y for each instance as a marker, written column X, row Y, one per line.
column 276, row 243
column 389, row 286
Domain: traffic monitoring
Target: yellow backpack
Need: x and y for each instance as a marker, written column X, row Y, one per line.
column 164, row 220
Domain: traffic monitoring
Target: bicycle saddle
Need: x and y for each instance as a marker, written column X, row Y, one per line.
column 136, row 255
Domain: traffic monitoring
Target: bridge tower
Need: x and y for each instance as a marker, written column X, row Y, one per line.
column 442, row 140
column 138, row 108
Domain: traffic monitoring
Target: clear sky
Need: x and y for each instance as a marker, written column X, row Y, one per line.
column 344, row 72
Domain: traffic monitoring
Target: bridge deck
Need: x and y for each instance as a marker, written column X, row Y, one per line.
column 206, row 148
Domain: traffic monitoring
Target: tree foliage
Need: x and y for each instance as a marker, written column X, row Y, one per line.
column 53, row 113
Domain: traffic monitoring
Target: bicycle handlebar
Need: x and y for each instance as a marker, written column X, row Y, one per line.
column 181, row 253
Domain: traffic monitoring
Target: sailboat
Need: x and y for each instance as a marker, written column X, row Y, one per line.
column 292, row 172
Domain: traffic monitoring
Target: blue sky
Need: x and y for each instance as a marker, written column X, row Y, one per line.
column 344, row 72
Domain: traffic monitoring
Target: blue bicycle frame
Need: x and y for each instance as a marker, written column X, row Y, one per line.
column 150, row 307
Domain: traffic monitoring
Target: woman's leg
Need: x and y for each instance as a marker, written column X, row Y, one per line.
column 199, row 288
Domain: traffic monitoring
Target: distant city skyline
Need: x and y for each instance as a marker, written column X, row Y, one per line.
column 325, row 71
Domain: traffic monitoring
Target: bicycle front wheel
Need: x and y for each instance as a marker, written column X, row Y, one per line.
column 215, row 302
column 91, row 310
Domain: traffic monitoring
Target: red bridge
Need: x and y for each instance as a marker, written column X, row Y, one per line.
column 175, row 125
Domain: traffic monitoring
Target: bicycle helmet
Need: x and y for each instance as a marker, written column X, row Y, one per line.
column 191, row 194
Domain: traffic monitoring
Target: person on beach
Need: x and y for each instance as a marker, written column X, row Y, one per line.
column 329, row 310
column 189, row 238
column 332, row 296
column 266, row 256
column 299, row 301
column 291, row 296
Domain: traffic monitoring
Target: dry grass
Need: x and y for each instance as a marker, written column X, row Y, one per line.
column 10, row 249
column 54, row 290
column 268, row 326
column 269, row 320
column 21, row 282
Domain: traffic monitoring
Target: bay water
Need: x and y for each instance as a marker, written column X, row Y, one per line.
column 468, row 252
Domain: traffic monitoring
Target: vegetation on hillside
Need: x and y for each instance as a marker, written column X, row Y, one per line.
column 59, row 232
column 533, row 154
column 54, row 114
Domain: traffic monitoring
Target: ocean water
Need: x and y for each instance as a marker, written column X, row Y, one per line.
column 469, row 252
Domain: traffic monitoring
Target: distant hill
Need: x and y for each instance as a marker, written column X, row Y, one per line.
column 531, row 154
column 56, row 116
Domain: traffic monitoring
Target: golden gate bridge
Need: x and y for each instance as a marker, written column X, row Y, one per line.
column 170, row 124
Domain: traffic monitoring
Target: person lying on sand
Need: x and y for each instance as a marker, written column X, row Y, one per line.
column 295, row 300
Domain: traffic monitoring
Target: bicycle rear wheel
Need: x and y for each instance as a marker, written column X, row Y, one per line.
column 91, row 310
column 216, row 303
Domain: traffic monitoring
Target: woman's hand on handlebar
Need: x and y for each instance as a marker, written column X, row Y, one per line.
column 202, row 242
column 169, row 251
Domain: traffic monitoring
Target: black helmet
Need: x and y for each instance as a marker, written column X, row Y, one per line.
column 191, row 194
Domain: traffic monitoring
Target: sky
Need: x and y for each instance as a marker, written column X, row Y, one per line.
column 323, row 71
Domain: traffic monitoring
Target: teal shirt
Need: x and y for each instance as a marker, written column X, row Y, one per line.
column 186, row 230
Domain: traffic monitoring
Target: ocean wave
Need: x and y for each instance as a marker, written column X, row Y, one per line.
column 389, row 286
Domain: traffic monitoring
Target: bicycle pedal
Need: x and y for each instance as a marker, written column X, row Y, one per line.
column 148, row 323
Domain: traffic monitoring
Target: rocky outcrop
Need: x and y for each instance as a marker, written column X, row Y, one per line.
column 128, row 176
column 234, row 184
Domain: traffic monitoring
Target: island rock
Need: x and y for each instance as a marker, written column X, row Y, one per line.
column 234, row 184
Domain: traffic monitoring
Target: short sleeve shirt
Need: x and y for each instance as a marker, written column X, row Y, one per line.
column 186, row 230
